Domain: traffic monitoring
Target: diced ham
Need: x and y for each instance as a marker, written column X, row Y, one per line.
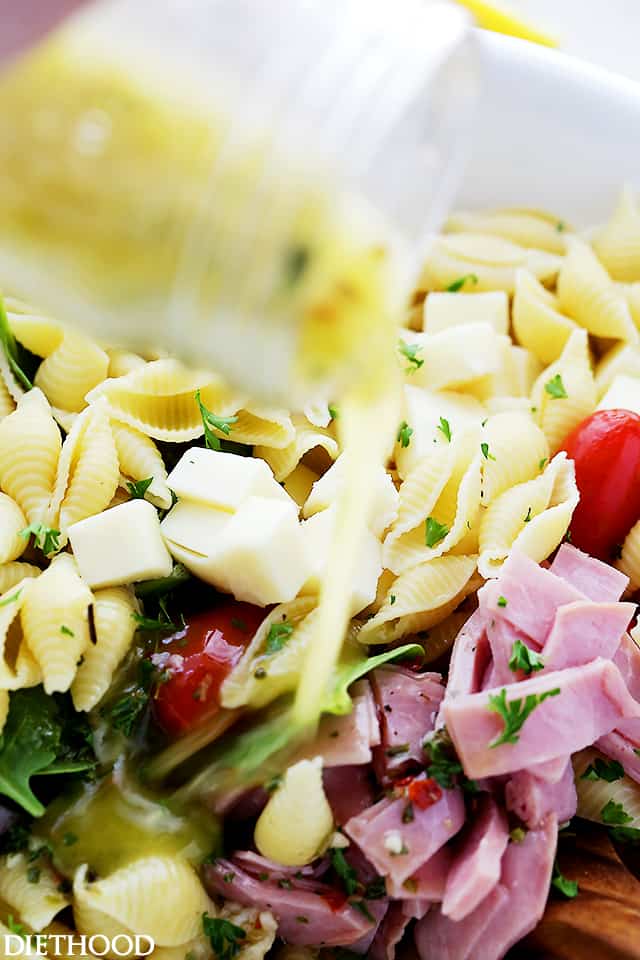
column 618, row 747
column 257, row 866
column 595, row 579
column 532, row 594
column 398, row 849
column 627, row 659
column 427, row 883
column 407, row 703
column 533, row 799
column 502, row 635
column 470, row 657
column 585, row 630
column 551, row 770
column 476, row 867
column 439, row 938
column 389, row 934
column 349, row 791
column 593, row 700
column 347, row 740
column 308, row 912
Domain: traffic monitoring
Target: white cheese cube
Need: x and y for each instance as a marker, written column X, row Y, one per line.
column 384, row 507
column 623, row 394
column 454, row 356
column 422, row 412
column 445, row 310
column 318, row 531
column 120, row 545
column 194, row 526
column 222, row 480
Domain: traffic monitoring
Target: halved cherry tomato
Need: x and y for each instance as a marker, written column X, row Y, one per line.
column 201, row 656
column 606, row 451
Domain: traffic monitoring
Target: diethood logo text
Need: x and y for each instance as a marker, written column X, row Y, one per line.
column 75, row 945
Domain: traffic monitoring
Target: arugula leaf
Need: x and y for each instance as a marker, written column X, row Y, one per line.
column 522, row 658
column 355, row 664
column 568, row 888
column 609, row 770
column 211, row 422
column 138, row 488
column 404, row 434
column 444, row 428
column 614, row 814
column 176, row 578
column 148, row 623
column 226, row 938
column 410, row 351
column 278, row 636
column 434, row 531
column 442, row 763
column 555, row 388
column 8, row 343
column 515, row 712
column 345, row 871
column 460, row 282
column 45, row 538
column 625, row 834
column 38, row 738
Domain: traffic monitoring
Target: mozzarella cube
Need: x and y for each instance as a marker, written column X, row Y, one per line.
column 194, row 526
column 445, row 310
column 623, row 394
column 318, row 531
column 454, row 356
column 120, row 545
column 384, row 507
column 422, row 412
column 222, row 480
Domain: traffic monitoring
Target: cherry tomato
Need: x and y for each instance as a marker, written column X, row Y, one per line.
column 200, row 657
column 606, row 451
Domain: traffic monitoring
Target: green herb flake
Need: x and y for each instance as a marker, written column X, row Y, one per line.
column 397, row 750
column 609, row 770
column 517, row 835
column 346, row 873
column 485, row 452
column 278, row 636
column 434, row 531
column 404, row 434
column 225, row 937
column 525, row 659
column 445, row 428
column 16, row 928
column 410, row 352
column 333, row 411
column 211, row 422
column 8, row 343
column 561, row 226
column 392, row 599
column 555, row 388
column 296, row 262
column 138, row 488
column 33, row 875
column 614, row 814
column 45, row 538
column 625, row 834
column 502, row 601
column 515, row 712
column 442, row 762
column 12, row 599
column 149, row 623
column 458, row 284
column 527, row 519
column 408, row 815
column 568, row 888
column 66, row 631
column 542, row 463
column 69, row 839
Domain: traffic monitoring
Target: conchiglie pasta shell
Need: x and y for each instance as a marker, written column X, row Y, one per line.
column 532, row 517
column 589, row 296
column 491, row 259
column 593, row 795
column 529, row 228
column 4, row 708
column 18, row 667
column 161, row 897
column 557, row 416
column 12, row 522
column 122, row 362
column 113, row 610
column 35, row 903
column 538, row 325
column 617, row 244
column 424, row 596
column 12, row 573
column 29, row 450
column 7, row 403
column 264, row 426
column 139, row 459
column 629, row 561
column 57, row 599
column 623, row 358
column 518, row 447
column 631, row 293
column 71, row 371
column 283, row 461
column 40, row 335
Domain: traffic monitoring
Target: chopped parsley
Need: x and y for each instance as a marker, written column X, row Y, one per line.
column 434, row 531
column 404, row 434
column 163, row 622
column 485, row 452
column 568, row 888
column 69, row 839
column 615, row 815
column 555, row 388
column 226, row 938
column 10, row 347
column 525, row 659
column 296, row 262
column 16, row 928
column 12, row 599
column 515, row 712
column 211, row 422
column 66, row 631
column 408, row 816
column 392, row 599
column 138, row 488
column 410, row 351
column 460, row 282
column 33, row 875
column 346, row 873
column 443, row 764
column 542, row 463
column 527, row 519
column 45, row 538
column 517, row 835
column 561, row 226
column 445, row 428
column 127, row 712
column 333, row 411
column 278, row 636
column 502, row 601
column 609, row 770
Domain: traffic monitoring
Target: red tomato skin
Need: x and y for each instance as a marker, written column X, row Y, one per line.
column 203, row 654
column 606, row 450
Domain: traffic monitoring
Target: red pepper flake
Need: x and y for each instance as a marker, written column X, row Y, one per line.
column 424, row 793
column 335, row 899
